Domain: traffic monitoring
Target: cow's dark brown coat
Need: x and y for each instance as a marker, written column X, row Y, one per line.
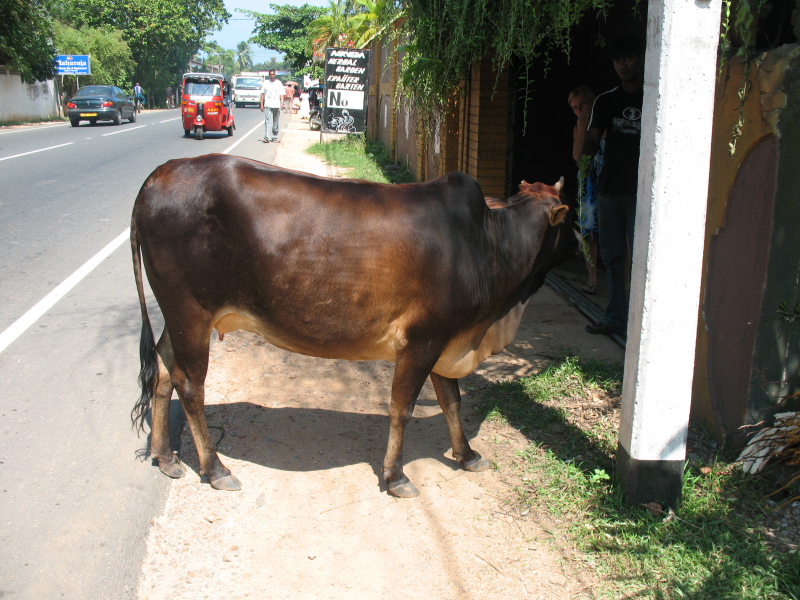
column 425, row 275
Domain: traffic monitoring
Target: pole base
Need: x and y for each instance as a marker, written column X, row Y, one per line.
column 649, row 480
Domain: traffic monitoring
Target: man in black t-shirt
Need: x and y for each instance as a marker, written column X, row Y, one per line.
column 618, row 114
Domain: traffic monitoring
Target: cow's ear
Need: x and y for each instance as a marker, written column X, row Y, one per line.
column 559, row 185
column 558, row 214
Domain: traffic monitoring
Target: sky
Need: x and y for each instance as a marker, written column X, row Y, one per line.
column 240, row 27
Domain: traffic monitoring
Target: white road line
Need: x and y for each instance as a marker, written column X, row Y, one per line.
column 34, row 128
column 123, row 130
column 168, row 120
column 243, row 138
column 29, row 318
column 35, row 151
column 46, row 303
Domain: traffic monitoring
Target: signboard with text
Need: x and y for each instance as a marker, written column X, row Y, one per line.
column 77, row 64
column 346, row 90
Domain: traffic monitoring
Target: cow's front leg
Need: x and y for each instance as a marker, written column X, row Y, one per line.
column 160, row 448
column 409, row 376
column 449, row 398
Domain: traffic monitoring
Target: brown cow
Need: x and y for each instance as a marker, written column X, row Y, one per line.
column 425, row 275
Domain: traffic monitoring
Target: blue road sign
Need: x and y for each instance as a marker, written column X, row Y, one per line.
column 78, row 64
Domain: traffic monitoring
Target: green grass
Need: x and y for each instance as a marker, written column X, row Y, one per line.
column 362, row 159
column 714, row 547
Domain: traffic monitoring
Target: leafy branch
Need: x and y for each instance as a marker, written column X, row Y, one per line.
column 789, row 315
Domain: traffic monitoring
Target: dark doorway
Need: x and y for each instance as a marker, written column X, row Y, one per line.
column 543, row 120
column 542, row 146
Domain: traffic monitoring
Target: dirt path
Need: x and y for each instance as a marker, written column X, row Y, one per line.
column 306, row 437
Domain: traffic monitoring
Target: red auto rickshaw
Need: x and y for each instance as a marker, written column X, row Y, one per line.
column 206, row 103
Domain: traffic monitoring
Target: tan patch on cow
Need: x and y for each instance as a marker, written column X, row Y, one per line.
column 460, row 358
column 383, row 347
column 463, row 355
column 233, row 321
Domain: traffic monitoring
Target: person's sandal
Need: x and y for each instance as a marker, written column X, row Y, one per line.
column 590, row 289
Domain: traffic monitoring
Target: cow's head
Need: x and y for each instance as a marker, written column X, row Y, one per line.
column 542, row 192
column 558, row 242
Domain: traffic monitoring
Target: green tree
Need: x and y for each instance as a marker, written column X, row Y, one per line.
column 112, row 60
column 244, row 57
column 26, row 39
column 335, row 27
column 272, row 63
column 286, row 32
column 374, row 19
column 163, row 34
column 217, row 55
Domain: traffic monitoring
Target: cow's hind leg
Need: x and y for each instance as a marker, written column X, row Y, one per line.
column 188, row 378
column 160, row 448
column 409, row 376
column 449, row 399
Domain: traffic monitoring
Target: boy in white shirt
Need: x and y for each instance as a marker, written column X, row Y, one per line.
column 272, row 93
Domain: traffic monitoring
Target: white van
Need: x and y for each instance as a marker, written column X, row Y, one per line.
column 247, row 89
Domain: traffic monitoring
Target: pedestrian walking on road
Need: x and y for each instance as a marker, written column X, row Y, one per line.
column 288, row 91
column 305, row 106
column 272, row 93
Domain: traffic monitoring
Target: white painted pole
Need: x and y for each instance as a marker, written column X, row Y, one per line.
column 677, row 114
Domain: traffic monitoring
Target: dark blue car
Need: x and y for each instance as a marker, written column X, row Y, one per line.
column 95, row 103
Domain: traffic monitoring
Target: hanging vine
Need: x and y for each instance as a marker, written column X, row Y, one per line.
column 735, row 39
column 448, row 36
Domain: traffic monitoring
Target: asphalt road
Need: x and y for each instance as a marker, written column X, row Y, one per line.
column 76, row 497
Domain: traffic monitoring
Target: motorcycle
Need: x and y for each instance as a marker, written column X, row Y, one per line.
column 315, row 118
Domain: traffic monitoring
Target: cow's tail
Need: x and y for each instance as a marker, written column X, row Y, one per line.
column 148, row 372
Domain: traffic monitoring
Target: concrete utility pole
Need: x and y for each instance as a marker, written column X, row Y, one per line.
column 679, row 81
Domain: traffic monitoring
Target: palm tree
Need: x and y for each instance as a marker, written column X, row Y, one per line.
column 244, row 57
column 334, row 28
column 373, row 20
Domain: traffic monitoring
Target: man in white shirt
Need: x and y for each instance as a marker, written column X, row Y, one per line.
column 272, row 93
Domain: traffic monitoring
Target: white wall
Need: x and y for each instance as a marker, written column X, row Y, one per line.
column 22, row 102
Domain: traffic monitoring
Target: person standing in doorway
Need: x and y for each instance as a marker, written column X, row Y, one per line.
column 580, row 101
column 272, row 92
column 617, row 113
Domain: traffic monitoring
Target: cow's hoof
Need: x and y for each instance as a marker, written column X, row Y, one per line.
column 477, row 464
column 173, row 468
column 403, row 489
column 229, row 483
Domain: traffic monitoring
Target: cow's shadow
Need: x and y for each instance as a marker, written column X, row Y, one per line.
column 305, row 439
column 295, row 413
